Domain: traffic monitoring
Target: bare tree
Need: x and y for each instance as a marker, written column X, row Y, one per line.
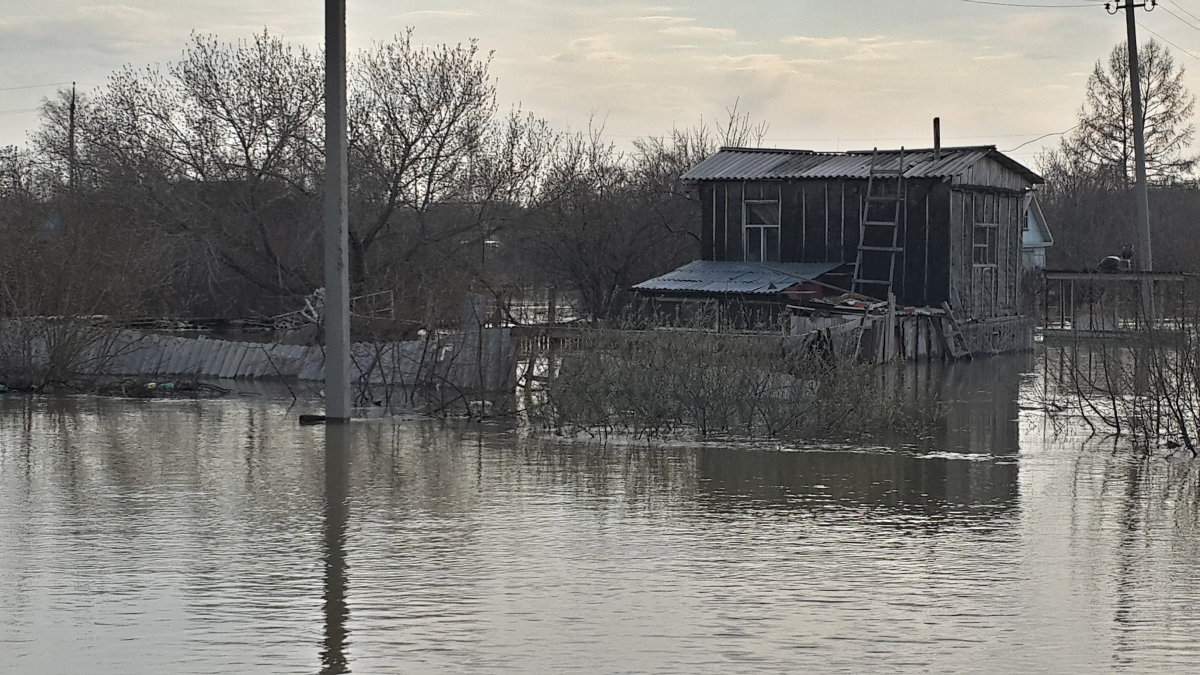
column 416, row 115
column 1103, row 140
column 22, row 191
column 436, row 169
column 221, row 146
column 1087, row 175
column 221, row 152
column 597, row 230
column 606, row 219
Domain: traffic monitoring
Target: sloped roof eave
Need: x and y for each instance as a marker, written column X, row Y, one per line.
column 1034, row 208
column 771, row 164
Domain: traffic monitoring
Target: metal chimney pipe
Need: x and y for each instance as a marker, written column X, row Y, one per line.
column 937, row 139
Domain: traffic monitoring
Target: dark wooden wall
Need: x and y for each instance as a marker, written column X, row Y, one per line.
column 820, row 223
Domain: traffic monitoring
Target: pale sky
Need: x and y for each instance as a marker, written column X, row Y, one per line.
column 824, row 74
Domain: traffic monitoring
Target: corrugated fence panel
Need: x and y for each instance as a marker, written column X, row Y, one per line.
column 220, row 354
column 233, row 355
column 253, row 363
column 313, row 366
column 194, row 357
column 133, row 353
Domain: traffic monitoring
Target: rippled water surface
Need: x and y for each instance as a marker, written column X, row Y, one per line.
column 220, row 537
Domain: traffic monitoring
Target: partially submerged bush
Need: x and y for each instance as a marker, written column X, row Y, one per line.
column 1146, row 387
column 63, row 296
column 655, row 382
column 38, row 351
column 1142, row 380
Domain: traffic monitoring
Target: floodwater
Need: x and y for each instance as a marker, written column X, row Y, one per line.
column 221, row 537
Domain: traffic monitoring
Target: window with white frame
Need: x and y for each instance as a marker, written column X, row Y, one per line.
column 760, row 230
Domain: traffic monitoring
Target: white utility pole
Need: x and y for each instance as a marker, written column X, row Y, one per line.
column 337, row 266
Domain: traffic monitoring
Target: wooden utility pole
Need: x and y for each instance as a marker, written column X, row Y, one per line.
column 337, row 264
column 1141, row 191
column 1145, row 259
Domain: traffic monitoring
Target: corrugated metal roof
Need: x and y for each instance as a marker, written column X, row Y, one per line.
column 720, row 277
column 758, row 164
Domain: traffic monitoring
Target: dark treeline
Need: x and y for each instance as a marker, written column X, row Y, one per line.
column 1090, row 222
column 194, row 189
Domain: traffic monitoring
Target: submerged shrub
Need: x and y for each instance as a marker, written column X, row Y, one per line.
column 658, row 381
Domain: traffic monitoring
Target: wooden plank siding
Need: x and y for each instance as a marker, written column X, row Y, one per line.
column 937, row 245
column 987, row 173
column 792, row 240
column 842, row 210
column 987, row 289
column 735, row 198
column 708, row 234
column 814, row 224
column 922, row 270
column 819, row 222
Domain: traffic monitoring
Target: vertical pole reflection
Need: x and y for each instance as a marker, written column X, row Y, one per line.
column 337, row 512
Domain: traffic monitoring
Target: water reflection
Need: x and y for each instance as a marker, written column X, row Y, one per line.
column 981, row 401
column 896, row 481
column 968, row 462
column 337, row 515
column 1111, row 543
column 217, row 537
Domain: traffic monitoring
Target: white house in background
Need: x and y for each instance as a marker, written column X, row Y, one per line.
column 1035, row 237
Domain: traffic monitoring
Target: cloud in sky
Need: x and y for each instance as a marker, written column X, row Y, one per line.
column 813, row 71
column 825, row 43
column 113, row 29
column 683, row 26
column 447, row 14
column 699, row 32
column 597, row 49
column 662, row 19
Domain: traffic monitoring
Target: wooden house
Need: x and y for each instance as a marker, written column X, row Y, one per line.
column 932, row 226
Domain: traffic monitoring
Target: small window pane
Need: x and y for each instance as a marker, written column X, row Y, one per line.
column 762, row 213
column 771, row 239
column 754, row 244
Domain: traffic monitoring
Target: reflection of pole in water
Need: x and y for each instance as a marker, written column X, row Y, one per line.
column 337, row 512
column 1128, row 568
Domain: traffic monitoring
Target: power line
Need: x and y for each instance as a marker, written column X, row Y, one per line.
column 35, row 86
column 1023, row 4
column 1182, row 20
column 1052, row 133
column 1160, row 37
column 1184, row 10
column 14, row 111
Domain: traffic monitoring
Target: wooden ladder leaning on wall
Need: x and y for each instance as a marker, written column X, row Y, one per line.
column 953, row 340
column 879, row 226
